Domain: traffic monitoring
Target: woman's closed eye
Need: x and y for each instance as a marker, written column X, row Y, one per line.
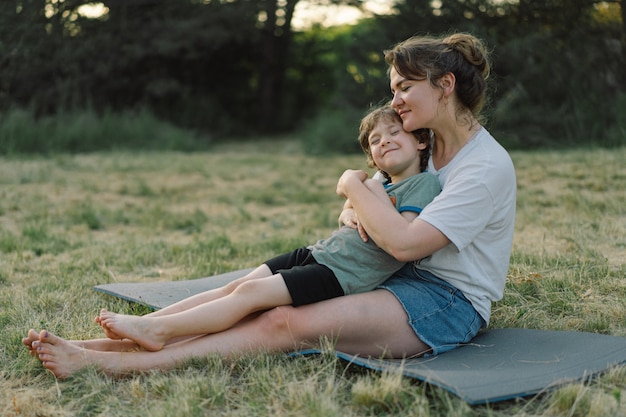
column 402, row 88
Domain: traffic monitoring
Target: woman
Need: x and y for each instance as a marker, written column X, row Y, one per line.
column 462, row 240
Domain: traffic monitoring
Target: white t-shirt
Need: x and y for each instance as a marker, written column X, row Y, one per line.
column 476, row 211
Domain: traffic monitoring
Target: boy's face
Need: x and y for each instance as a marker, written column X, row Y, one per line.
column 394, row 150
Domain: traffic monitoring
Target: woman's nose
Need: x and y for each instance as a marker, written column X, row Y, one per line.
column 396, row 101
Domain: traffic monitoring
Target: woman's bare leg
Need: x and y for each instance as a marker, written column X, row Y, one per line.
column 106, row 345
column 152, row 333
column 373, row 324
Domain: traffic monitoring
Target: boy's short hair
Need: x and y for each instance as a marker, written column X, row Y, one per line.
column 386, row 113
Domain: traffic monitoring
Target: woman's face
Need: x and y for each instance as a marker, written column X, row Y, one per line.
column 416, row 101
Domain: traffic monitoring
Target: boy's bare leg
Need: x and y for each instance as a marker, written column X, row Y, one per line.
column 102, row 344
column 249, row 296
column 260, row 272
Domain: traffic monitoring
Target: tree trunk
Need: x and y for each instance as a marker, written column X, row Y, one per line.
column 276, row 36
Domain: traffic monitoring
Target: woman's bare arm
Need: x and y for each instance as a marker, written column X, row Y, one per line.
column 385, row 225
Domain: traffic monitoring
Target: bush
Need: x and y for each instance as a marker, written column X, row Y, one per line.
column 332, row 131
column 87, row 131
column 617, row 135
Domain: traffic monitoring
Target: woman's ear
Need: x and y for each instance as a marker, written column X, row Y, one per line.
column 447, row 83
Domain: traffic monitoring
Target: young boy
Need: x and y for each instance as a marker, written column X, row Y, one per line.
column 340, row 265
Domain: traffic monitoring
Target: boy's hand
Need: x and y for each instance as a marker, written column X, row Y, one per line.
column 348, row 218
column 362, row 232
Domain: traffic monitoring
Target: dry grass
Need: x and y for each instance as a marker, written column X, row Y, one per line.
column 70, row 222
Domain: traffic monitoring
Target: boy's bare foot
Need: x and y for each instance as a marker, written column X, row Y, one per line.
column 141, row 330
column 59, row 356
column 108, row 332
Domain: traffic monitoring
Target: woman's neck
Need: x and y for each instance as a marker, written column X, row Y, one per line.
column 449, row 143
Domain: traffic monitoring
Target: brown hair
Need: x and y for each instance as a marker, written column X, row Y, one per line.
column 461, row 54
column 388, row 114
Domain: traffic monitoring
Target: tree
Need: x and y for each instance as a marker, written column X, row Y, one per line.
column 229, row 66
column 275, row 17
column 192, row 62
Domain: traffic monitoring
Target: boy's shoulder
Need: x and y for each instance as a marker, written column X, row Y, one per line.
column 423, row 179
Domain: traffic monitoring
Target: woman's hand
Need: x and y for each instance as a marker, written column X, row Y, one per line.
column 349, row 178
column 348, row 216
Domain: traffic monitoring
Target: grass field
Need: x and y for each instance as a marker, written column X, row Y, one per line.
column 69, row 222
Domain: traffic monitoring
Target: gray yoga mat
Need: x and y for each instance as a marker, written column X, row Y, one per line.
column 502, row 364
column 498, row 365
column 157, row 295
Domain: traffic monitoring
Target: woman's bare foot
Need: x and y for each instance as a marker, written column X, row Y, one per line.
column 60, row 356
column 102, row 345
column 31, row 337
column 141, row 330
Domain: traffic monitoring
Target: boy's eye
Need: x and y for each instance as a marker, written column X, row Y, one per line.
column 374, row 141
column 395, row 132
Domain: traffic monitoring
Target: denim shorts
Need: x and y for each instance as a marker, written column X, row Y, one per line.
column 439, row 313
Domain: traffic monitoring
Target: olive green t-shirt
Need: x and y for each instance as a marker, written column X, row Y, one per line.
column 362, row 266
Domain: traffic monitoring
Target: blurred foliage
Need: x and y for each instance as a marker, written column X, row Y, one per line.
column 88, row 131
column 224, row 68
